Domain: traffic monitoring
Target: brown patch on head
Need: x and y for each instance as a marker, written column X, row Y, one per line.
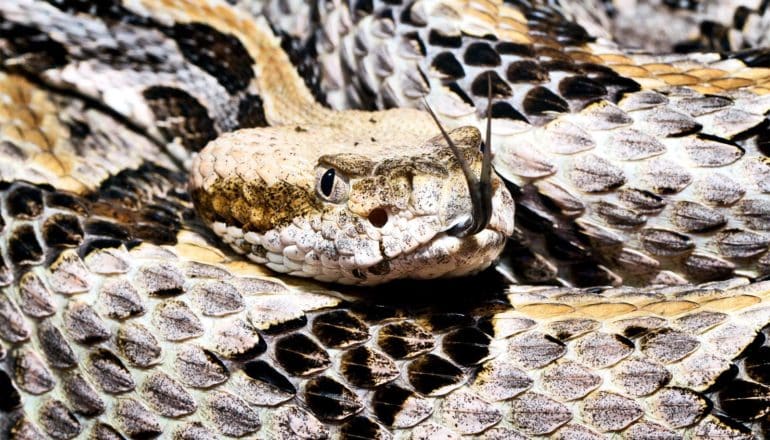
column 378, row 191
column 253, row 206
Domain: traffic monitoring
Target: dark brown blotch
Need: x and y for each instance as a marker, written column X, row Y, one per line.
column 330, row 400
column 467, row 346
column 447, row 65
column 500, row 88
column 528, row 71
column 62, row 230
column 367, row 368
column 431, row 374
column 339, row 328
column 299, row 355
column 481, row 54
column 23, row 246
column 180, row 115
column 404, row 339
column 24, row 201
column 540, row 101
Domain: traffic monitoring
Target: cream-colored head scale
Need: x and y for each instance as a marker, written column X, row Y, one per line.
column 362, row 208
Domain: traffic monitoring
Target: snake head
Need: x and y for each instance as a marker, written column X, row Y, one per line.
column 350, row 210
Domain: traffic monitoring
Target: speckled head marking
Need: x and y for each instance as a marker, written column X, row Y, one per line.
column 353, row 209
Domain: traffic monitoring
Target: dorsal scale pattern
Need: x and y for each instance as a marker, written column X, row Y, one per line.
column 626, row 168
column 119, row 319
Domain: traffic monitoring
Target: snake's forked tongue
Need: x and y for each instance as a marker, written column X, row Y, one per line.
column 480, row 188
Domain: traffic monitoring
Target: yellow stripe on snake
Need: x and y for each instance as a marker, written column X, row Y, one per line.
column 208, row 222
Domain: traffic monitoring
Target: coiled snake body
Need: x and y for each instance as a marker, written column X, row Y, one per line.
column 122, row 316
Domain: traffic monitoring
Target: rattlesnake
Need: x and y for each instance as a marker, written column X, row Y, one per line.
column 123, row 315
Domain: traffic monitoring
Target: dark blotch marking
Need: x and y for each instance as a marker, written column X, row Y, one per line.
column 263, row 372
column 304, row 57
column 362, row 8
column 581, row 87
column 757, row 365
column 430, row 372
column 446, row 64
column 504, row 110
column 745, row 401
column 635, row 331
column 526, row 71
column 741, row 14
column 571, row 34
column 99, row 244
column 221, row 55
column 617, row 85
column 404, row 339
column 251, row 112
column 300, row 355
column 754, row 57
column 481, row 54
column 180, row 115
column 437, row 39
column 23, row 247
column 564, row 245
column 67, row 201
column 62, row 230
column 406, row 16
column 25, row 202
column 339, row 328
column 540, row 100
column 763, row 142
column 388, row 401
column 467, row 346
column 11, row 398
column 362, row 428
column 524, row 50
column 596, row 69
column 286, row 326
column 441, row 322
column 35, row 47
column 107, row 229
column 500, row 88
column 330, row 400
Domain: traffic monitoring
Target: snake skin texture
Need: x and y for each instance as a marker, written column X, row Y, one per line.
column 627, row 167
column 121, row 316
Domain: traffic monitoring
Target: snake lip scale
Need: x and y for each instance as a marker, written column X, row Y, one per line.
column 198, row 197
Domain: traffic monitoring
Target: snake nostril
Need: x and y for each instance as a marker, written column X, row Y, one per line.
column 378, row 217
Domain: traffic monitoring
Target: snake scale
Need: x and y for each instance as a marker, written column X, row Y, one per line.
column 629, row 141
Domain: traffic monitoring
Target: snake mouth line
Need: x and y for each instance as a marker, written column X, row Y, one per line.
column 368, row 263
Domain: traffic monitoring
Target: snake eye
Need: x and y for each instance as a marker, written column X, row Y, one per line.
column 327, row 182
column 331, row 186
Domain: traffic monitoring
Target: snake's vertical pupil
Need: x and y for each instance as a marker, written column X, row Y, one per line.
column 327, row 182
